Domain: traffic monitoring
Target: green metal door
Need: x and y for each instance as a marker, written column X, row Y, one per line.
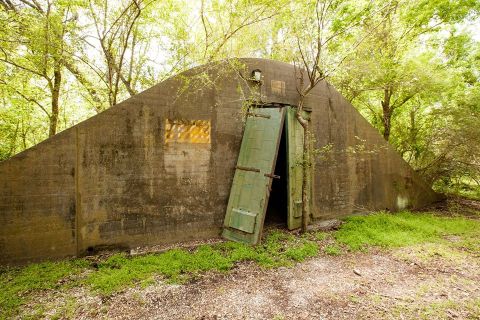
column 294, row 135
column 253, row 175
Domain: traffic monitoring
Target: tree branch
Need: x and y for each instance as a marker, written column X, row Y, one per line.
column 34, row 5
column 26, row 97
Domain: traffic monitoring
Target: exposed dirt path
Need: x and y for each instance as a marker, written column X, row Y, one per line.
column 438, row 280
column 404, row 284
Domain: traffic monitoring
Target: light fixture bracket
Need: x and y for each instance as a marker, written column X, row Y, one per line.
column 256, row 75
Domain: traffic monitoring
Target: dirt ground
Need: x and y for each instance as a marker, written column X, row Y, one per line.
column 428, row 281
column 377, row 285
column 411, row 283
column 368, row 286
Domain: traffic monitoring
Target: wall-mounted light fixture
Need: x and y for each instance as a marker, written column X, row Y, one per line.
column 256, row 75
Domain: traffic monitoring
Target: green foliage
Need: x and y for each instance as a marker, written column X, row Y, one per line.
column 333, row 250
column 16, row 284
column 413, row 63
column 278, row 248
column 464, row 188
column 177, row 265
column 415, row 78
column 302, row 251
column 120, row 271
column 402, row 229
column 320, row 235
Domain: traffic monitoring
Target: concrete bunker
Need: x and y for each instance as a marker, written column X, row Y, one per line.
column 159, row 167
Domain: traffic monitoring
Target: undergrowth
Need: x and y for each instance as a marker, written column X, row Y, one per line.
column 178, row 265
column 120, row 270
column 278, row 248
column 401, row 229
column 15, row 284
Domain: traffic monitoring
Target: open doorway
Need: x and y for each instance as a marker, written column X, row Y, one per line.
column 277, row 209
column 272, row 138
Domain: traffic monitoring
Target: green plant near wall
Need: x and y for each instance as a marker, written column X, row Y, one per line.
column 280, row 248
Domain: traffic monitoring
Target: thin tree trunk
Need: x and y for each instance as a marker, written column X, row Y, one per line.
column 387, row 112
column 306, row 163
column 387, row 119
column 305, row 189
column 90, row 87
column 14, row 140
column 57, row 80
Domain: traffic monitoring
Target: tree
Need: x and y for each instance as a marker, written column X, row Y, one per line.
column 35, row 38
column 406, row 65
column 117, row 31
column 387, row 72
column 450, row 144
column 407, row 79
column 317, row 36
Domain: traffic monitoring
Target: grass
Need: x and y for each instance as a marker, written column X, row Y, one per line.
column 466, row 309
column 333, row 250
column 178, row 265
column 466, row 188
column 401, row 229
column 17, row 283
column 120, row 271
column 279, row 248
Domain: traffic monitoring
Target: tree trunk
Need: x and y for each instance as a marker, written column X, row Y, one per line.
column 387, row 118
column 305, row 193
column 305, row 164
column 89, row 86
column 387, row 112
column 57, row 80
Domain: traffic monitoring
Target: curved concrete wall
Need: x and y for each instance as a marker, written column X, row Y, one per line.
column 116, row 179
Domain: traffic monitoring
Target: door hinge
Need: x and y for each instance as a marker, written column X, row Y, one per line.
column 270, row 175
column 266, row 116
column 247, row 169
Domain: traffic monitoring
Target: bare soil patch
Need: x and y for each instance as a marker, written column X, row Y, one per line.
column 398, row 284
column 438, row 280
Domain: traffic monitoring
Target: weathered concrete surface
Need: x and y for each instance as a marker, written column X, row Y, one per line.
column 114, row 180
column 37, row 201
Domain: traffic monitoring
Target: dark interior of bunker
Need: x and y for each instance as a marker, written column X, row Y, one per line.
column 277, row 210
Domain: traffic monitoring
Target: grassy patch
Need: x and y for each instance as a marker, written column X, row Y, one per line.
column 470, row 243
column 120, row 270
column 465, row 188
column 401, row 229
column 67, row 311
column 279, row 248
column 447, row 309
column 333, row 250
column 426, row 252
column 320, row 235
column 18, row 283
column 177, row 265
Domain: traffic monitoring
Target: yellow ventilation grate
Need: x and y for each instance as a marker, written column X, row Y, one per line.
column 187, row 131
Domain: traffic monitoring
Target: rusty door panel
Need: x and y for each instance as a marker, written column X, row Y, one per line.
column 253, row 175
